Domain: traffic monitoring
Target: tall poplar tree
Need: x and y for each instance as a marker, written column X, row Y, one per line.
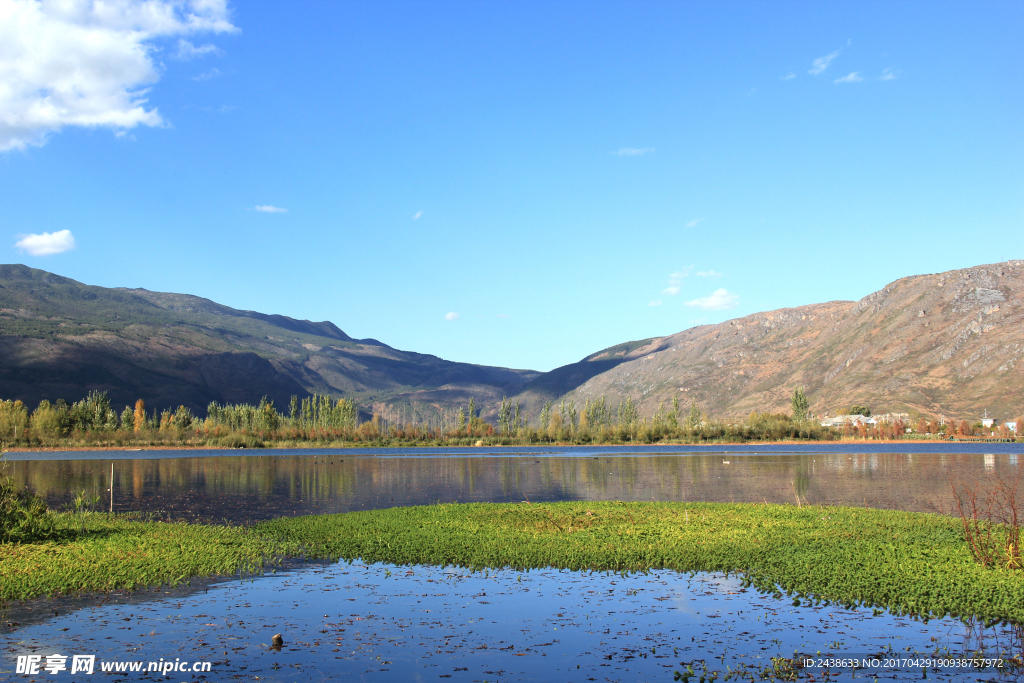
column 799, row 404
column 140, row 415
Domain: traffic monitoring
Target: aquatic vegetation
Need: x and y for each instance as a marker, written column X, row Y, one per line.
column 909, row 563
column 22, row 512
column 90, row 551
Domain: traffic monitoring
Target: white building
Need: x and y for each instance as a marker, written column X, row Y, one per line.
column 854, row 420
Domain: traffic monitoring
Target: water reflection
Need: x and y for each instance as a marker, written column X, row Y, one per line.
column 245, row 488
column 386, row 623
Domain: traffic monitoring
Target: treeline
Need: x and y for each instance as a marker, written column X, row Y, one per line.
column 321, row 420
column 94, row 420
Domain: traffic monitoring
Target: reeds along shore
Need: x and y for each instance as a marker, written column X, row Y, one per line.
column 322, row 421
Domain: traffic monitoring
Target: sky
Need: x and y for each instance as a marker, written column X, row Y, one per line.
column 517, row 184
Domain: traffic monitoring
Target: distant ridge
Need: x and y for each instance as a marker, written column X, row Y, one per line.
column 60, row 338
column 945, row 344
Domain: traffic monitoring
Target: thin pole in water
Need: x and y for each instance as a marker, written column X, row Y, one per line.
column 111, row 488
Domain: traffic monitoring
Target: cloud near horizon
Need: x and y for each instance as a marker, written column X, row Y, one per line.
column 270, row 208
column 821, row 63
column 451, row 315
column 719, row 300
column 708, row 273
column 88, row 64
column 694, row 222
column 416, row 216
column 47, row 243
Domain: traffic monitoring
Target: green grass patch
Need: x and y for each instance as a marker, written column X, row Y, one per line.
column 95, row 552
column 906, row 562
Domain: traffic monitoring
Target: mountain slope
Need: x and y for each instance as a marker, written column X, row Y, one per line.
column 951, row 343
column 60, row 339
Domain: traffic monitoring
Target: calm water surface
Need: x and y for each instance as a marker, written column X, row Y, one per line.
column 386, row 623
column 218, row 485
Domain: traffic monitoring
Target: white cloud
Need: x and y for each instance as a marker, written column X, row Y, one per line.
column 451, row 315
column 634, row 151
column 788, row 77
column 268, row 208
column 656, row 302
column 821, row 63
column 187, row 50
column 47, row 243
column 852, row 77
column 86, row 63
column 212, row 73
column 694, row 223
column 675, row 280
column 719, row 300
column 708, row 273
column 887, row 75
column 416, row 216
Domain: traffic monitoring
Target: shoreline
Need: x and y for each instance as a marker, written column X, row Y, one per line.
column 794, row 442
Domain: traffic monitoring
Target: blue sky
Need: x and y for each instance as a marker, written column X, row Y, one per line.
column 516, row 184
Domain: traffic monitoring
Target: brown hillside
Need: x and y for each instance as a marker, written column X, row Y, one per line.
column 951, row 343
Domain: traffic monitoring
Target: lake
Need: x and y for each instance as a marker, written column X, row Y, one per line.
column 223, row 485
column 384, row 623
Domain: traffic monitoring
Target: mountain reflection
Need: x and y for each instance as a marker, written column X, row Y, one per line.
column 248, row 488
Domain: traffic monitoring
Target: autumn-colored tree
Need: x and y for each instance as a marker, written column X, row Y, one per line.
column 965, row 429
column 922, row 426
column 140, row 415
column 555, row 425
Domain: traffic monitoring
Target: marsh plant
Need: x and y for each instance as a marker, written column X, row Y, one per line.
column 23, row 514
column 85, row 502
column 991, row 516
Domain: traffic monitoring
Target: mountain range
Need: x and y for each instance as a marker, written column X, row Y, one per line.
column 945, row 344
